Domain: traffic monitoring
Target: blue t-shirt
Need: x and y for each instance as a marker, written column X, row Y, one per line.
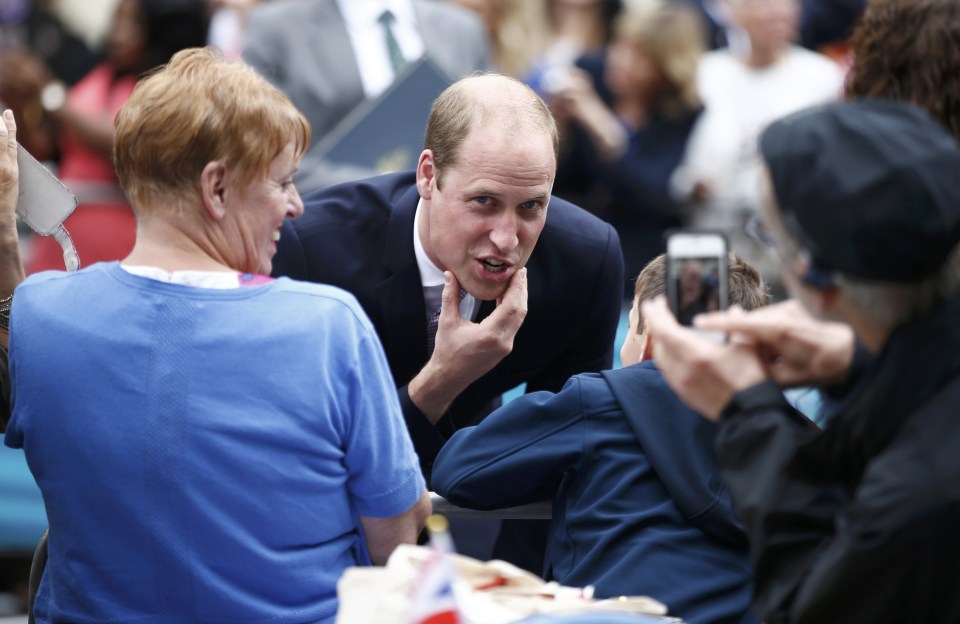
column 204, row 455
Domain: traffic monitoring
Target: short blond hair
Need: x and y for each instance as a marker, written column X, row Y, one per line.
column 477, row 99
column 197, row 109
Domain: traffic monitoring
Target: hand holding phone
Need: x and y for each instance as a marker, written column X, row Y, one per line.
column 696, row 273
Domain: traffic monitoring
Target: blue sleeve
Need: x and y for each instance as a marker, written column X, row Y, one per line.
column 517, row 455
column 385, row 478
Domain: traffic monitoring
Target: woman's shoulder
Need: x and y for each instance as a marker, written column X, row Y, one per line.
column 316, row 294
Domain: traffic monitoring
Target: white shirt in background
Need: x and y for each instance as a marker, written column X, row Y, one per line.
column 369, row 44
column 740, row 102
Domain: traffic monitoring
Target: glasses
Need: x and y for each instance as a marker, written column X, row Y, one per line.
column 759, row 233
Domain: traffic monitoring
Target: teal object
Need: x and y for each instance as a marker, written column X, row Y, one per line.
column 618, row 341
column 22, row 516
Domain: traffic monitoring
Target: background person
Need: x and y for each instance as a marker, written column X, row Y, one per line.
column 831, row 512
column 638, row 504
column 744, row 90
column 30, row 27
column 186, row 477
column 144, row 34
column 625, row 117
column 894, row 47
column 329, row 56
column 575, row 28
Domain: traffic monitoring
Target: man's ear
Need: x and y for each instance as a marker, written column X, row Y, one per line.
column 826, row 300
column 426, row 172
column 213, row 190
column 646, row 351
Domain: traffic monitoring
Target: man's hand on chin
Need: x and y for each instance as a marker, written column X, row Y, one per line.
column 465, row 351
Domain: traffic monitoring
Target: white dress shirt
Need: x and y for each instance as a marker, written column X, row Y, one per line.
column 369, row 44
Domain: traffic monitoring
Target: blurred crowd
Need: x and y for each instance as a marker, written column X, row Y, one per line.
column 659, row 102
column 649, row 115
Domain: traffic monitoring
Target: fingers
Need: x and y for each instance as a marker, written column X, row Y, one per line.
column 10, row 129
column 763, row 325
column 9, row 186
column 450, row 299
column 667, row 334
column 512, row 306
column 658, row 317
column 704, row 373
column 516, row 292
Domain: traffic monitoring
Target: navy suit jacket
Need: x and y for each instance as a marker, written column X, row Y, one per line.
column 359, row 236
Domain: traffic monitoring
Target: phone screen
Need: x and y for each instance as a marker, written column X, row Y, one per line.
column 697, row 286
column 696, row 273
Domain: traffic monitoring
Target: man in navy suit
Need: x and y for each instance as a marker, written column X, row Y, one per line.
column 542, row 287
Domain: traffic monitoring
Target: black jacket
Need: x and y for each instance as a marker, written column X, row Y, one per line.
column 860, row 522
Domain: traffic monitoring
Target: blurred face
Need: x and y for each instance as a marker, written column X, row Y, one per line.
column 127, row 40
column 632, row 350
column 770, row 24
column 255, row 214
column 691, row 280
column 631, row 70
column 486, row 9
column 790, row 268
column 485, row 221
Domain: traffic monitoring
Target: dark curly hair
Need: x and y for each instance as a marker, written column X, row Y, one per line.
column 909, row 50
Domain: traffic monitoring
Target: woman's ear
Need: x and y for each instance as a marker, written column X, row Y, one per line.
column 213, row 189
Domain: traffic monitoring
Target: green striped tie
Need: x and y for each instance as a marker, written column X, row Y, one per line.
column 393, row 48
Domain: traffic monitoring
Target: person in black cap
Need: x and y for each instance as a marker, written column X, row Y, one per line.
column 856, row 522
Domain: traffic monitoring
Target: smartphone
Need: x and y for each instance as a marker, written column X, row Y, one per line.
column 44, row 202
column 696, row 273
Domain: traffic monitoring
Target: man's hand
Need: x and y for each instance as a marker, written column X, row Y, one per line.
column 704, row 373
column 795, row 348
column 465, row 351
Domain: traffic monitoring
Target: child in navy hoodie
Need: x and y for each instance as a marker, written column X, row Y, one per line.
column 639, row 507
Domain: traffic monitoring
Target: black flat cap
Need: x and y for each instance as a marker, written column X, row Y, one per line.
column 871, row 187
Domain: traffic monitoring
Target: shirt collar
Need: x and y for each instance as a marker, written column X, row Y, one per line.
column 430, row 274
column 356, row 12
column 431, row 277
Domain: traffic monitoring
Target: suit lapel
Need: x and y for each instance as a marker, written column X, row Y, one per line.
column 328, row 39
column 401, row 295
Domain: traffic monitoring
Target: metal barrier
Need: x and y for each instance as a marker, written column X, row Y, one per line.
column 541, row 510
